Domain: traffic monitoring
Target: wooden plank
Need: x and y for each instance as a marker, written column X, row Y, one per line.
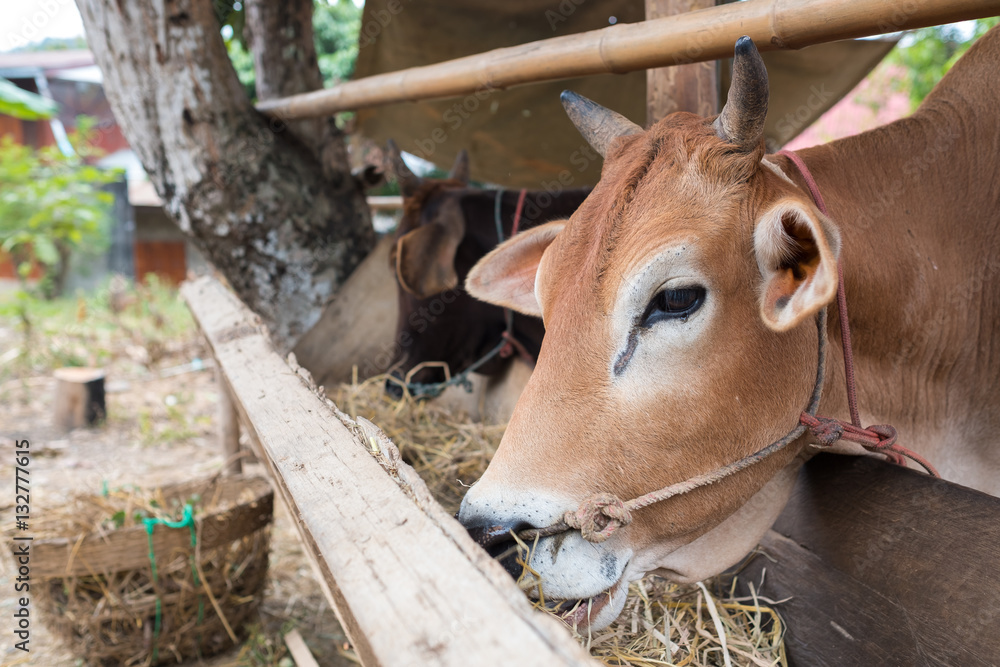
column 700, row 36
column 301, row 654
column 693, row 87
column 385, row 203
column 884, row 566
column 408, row 584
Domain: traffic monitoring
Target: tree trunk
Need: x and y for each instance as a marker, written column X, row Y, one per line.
column 284, row 230
column 280, row 35
column 60, row 273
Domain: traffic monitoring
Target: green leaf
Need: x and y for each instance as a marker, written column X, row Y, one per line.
column 45, row 251
column 22, row 104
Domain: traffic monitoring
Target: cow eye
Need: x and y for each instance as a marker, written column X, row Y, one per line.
column 673, row 304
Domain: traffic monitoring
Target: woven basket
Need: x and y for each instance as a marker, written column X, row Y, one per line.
column 97, row 591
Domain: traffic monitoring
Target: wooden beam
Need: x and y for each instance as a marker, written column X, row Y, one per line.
column 408, row 584
column 385, row 203
column 693, row 87
column 697, row 36
column 880, row 565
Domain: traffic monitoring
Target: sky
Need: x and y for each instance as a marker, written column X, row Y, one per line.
column 34, row 20
column 26, row 21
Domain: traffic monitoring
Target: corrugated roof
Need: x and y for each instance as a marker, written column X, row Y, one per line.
column 27, row 63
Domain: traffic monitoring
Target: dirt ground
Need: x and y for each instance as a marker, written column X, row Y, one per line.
column 159, row 430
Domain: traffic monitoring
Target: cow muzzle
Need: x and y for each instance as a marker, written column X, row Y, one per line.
column 584, row 583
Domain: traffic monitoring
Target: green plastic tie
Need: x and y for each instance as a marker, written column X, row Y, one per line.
column 187, row 521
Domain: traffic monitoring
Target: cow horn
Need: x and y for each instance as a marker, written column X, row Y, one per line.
column 460, row 170
column 599, row 126
column 408, row 181
column 742, row 119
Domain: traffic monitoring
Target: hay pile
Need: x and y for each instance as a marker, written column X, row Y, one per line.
column 662, row 623
column 98, row 592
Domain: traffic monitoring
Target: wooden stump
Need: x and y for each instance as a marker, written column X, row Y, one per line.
column 79, row 397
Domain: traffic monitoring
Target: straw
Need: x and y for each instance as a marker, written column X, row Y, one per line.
column 661, row 624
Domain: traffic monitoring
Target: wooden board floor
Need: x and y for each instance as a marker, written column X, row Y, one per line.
column 883, row 566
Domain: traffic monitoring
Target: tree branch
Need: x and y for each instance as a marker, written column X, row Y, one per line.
column 280, row 37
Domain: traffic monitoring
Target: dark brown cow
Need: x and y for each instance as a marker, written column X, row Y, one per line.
column 447, row 227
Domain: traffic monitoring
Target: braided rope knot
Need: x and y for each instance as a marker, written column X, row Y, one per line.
column 598, row 517
column 887, row 443
column 887, row 436
column 826, row 431
column 879, row 438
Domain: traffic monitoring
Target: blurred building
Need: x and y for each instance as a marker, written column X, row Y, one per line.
column 144, row 239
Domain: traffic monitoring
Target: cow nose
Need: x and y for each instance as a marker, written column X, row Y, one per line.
column 499, row 543
column 394, row 389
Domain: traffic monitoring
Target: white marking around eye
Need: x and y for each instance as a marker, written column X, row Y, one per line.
column 672, row 266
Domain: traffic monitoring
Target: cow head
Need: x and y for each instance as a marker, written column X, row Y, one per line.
column 679, row 305
column 438, row 320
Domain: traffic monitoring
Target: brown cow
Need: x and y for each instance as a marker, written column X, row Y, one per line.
column 446, row 228
column 679, row 303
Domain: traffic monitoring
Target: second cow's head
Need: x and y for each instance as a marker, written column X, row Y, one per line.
column 433, row 253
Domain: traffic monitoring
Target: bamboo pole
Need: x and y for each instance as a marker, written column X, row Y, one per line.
column 697, row 36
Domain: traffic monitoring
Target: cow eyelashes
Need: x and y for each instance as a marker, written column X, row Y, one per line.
column 673, row 304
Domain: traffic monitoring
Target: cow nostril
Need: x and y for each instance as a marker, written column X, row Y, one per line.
column 394, row 389
column 429, row 375
column 500, row 544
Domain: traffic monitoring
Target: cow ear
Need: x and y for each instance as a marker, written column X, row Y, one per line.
column 506, row 276
column 797, row 251
column 425, row 260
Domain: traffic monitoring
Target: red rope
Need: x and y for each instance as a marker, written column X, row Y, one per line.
column 880, row 438
column 517, row 212
column 513, row 344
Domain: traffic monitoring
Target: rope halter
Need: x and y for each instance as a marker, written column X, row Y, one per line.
column 600, row 515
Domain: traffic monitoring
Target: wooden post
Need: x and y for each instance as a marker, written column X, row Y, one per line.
column 693, row 87
column 229, row 426
column 79, row 399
